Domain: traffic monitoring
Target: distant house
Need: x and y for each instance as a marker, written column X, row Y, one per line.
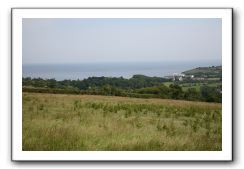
column 178, row 76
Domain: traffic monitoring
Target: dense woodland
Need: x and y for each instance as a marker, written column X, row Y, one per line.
column 139, row 86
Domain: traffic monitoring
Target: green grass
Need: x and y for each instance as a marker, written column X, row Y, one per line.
column 196, row 85
column 168, row 83
column 186, row 86
column 80, row 122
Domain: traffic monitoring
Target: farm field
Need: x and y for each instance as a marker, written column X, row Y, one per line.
column 59, row 122
column 197, row 85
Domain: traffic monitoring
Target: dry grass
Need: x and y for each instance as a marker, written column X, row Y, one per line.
column 82, row 122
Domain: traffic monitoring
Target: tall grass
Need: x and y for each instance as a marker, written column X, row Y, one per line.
column 73, row 122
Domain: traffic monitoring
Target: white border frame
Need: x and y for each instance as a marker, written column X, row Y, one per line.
column 19, row 155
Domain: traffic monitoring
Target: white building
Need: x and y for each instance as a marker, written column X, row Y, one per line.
column 178, row 76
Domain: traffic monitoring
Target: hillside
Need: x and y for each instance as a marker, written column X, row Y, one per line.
column 207, row 72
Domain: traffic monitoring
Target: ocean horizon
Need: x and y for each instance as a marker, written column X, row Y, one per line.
column 74, row 71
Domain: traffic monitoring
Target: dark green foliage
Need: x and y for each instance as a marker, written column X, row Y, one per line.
column 211, row 94
column 136, row 82
column 192, row 94
column 176, row 92
column 138, row 86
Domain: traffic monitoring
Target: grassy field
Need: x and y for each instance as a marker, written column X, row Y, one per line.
column 85, row 122
column 197, row 85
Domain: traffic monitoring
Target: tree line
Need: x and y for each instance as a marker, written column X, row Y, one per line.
column 139, row 86
column 137, row 81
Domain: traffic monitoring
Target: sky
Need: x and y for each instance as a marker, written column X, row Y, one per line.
column 76, row 40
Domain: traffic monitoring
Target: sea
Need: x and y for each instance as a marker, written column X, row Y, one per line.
column 112, row 69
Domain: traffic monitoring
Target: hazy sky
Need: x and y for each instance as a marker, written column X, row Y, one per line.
column 121, row 40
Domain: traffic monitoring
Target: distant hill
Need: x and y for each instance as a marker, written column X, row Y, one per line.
column 209, row 72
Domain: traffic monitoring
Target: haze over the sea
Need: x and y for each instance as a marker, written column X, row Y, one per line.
column 77, row 48
column 126, row 70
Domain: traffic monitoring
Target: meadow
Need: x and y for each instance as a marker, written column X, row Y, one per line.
column 65, row 122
